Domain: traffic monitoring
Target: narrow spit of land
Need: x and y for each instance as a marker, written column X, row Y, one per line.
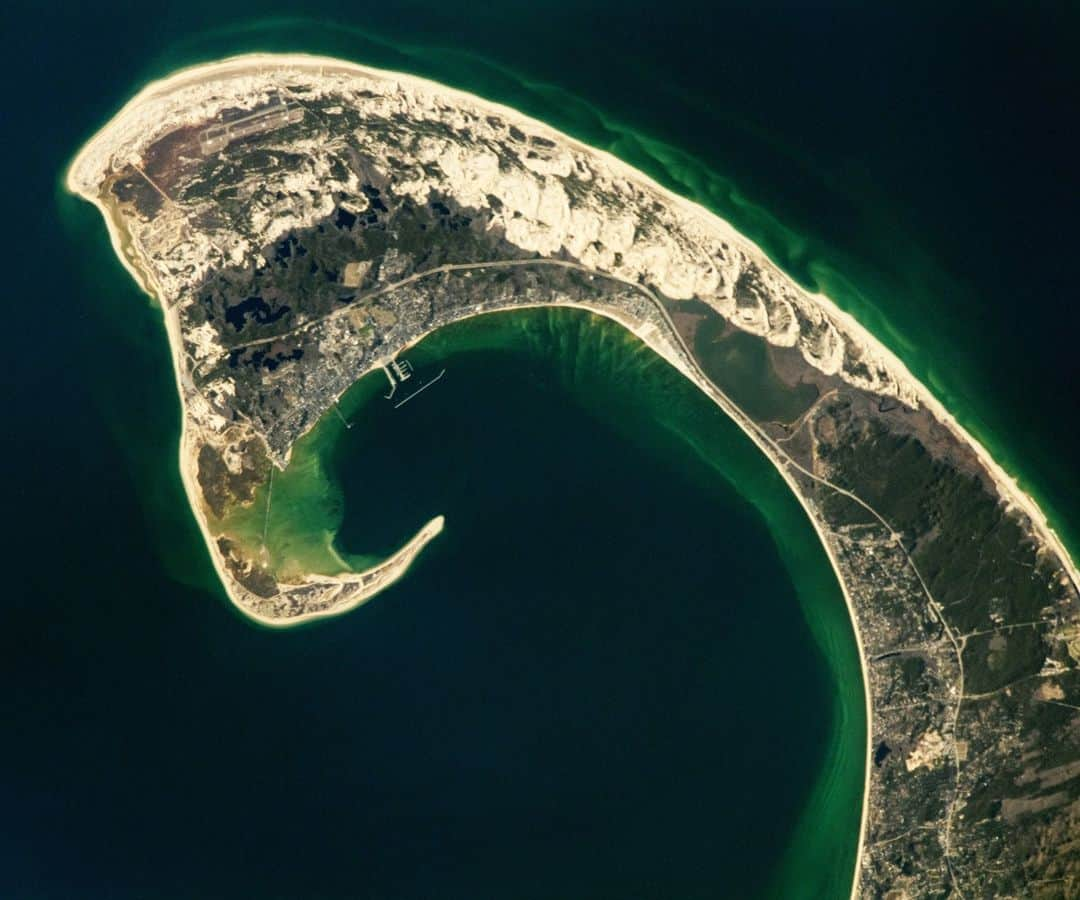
column 449, row 207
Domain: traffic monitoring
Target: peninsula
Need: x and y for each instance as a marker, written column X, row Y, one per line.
column 303, row 221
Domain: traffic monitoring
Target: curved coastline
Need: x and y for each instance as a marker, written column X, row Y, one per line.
column 1007, row 485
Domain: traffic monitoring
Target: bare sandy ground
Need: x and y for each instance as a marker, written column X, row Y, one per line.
column 149, row 111
column 142, row 114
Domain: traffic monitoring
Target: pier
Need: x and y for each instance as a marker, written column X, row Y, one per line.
column 423, row 387
column 397, row 372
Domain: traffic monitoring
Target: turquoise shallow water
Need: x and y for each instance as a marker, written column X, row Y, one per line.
column 164, row 747
column 898, row 195
column 583, row 477
column 520, row 402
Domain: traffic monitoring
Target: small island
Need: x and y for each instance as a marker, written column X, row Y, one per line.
column 304, row 221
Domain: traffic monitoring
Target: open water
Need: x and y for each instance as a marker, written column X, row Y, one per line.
column 624, row 670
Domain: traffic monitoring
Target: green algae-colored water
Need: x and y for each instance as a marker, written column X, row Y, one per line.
column 559, row 447
column 477, row 731
column 724, row 132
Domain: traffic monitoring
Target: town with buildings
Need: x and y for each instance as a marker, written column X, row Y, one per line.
column 310, row 222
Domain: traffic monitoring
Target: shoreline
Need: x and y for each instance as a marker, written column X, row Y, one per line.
column 1007, row 486
column 397, row 563
column 412, row 548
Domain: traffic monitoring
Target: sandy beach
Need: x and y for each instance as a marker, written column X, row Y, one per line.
column 154, row 110
column 138, row 117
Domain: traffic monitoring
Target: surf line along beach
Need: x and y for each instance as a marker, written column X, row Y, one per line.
column 156, row 108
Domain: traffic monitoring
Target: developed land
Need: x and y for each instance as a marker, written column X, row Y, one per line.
column 304, row 221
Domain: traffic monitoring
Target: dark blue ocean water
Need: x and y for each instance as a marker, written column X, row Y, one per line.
column 470, row 739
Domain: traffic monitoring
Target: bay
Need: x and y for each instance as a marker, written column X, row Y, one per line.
column 162, row 746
